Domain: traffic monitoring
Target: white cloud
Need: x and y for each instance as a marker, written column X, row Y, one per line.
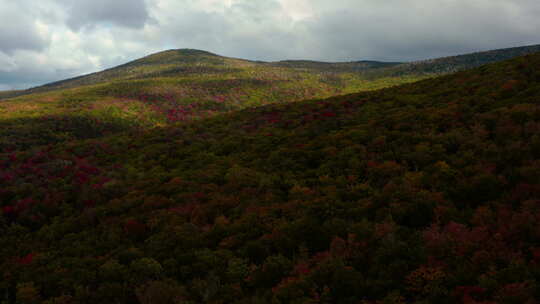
column 298, row 9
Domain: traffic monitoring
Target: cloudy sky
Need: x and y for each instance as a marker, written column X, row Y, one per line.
column 47, row 40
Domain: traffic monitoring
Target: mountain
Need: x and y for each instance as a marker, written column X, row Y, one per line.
column 162, row 64
column 8, row 94
column 457, row 63
column 427, row 192
column 188, row 62
column 353, row 66
column 182, row 85
column 167, row 88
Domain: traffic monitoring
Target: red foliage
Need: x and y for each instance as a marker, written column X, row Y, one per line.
column 26, row 260
column 515, row 292
column 284, row 283
column 339, row 247
column 466, row 293
column 8, row 210
column 301, row 268
column 7, row 177
column 536, row 255
column 186, row 209
column 24, row 204
column 320, row 257
column 12, row 157
column 134, row 227
column 510, row 84
column 383, row 229
column 329, row 114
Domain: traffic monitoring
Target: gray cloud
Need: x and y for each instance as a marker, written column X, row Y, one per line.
column 55, row 39
column 89, row 13
column 19, row 30
column 30, row 68
column 418, row 29
column 396, row 30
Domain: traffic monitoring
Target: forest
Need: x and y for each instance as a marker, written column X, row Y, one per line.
column 426, row 192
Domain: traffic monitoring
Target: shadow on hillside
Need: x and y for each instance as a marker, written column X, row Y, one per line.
column 188, row 70
column 25, row 133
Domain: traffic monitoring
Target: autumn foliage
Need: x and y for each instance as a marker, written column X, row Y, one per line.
column 422, row 193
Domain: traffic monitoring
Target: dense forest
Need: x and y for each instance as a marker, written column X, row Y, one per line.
column 427, row 192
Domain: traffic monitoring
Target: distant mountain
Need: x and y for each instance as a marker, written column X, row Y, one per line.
column 170, row 87
column 166, row 63
column 353, row 66
column 7, row 94
column 456, row 63
column 182, row 62
column 185, row 62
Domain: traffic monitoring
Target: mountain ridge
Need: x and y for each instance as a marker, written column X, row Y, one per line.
column 450, row 64
column 368, row 69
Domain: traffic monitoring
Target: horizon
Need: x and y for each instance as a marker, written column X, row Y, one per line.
column 59, row 39
column 256, row 60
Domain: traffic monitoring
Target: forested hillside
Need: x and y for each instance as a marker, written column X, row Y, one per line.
column 451, row 64
column 163, row 89
column 423, row 193
column 173, row 71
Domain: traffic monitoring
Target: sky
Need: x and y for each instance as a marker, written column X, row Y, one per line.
column 48, row 40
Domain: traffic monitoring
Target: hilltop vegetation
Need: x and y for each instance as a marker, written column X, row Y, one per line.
column 183, row 63
column 183, row 85
column 423, row 193
column 163, row 89
column 345, row 77
column 453, row 64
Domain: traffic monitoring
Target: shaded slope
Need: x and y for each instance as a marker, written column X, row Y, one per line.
column 425, row 192
column 457, row 63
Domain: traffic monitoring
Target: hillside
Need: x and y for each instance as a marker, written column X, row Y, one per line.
column 8, row 94
column 183, row 85
column 190, row 62
column 423, row 193
column 166, row 88
column 181, row 63
column 455, row 63
column 353, row 66
column 166, row 63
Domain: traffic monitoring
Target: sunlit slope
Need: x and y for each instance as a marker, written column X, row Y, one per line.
column 182, row 85
column 185, row 62
column 163, row 89
column 166, row 63
column 423, row 193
